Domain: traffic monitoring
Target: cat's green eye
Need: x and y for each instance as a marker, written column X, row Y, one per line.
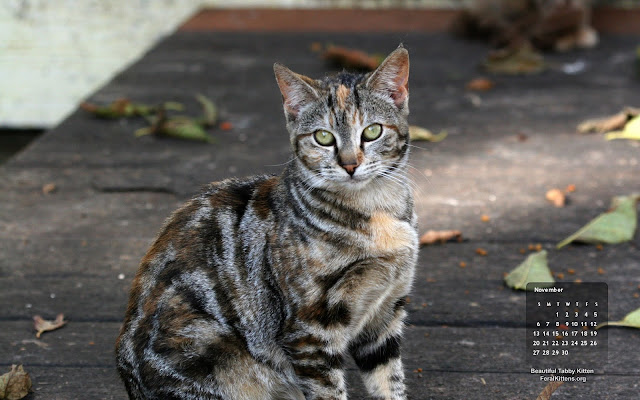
column 372, row 132
column 324, row 138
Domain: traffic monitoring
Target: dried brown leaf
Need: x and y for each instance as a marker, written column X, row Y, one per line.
column 316, row 47
column 42, row 325
column 521, row 60
column 431, row 237
column 556, row 197
column 548, row 390
column 124, row 108
column 226, row 126
column 480, row 84
column 15, row 384
column 49, row 188
column 351, row 58
column 610, row 123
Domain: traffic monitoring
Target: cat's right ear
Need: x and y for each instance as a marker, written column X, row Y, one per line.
column 297, row 90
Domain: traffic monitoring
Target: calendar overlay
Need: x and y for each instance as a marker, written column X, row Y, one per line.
column 562, row 342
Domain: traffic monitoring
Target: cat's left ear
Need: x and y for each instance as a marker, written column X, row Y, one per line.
column 297, row 90
column 391, row 78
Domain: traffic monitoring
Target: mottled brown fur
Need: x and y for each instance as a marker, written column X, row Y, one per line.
column 258, row 288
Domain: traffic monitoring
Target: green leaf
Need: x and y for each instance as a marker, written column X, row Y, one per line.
column 419, row 133
column 533, row 269
column 630, row 131
column 183, row 128
column 631, row 320
column 209, row 111
column 173, row 106
column 614, row 226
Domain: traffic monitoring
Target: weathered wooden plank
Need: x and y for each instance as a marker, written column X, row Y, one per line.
column 63, row 383
column 102, row 383
column 100, row 201
column 67, row 383
column 77, row 273
column 452, row 361
column 452, row 349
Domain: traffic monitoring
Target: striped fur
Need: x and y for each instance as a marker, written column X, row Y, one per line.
column 259, row 288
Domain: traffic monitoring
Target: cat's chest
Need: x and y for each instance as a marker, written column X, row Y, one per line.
column 387, row 234
column 383, row 257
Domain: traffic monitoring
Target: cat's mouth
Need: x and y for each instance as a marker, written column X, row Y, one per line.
column 355, row 180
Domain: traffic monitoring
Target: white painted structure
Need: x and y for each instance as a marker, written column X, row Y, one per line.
column 54, row 53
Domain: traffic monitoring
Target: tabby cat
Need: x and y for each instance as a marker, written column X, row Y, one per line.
column 258, row 288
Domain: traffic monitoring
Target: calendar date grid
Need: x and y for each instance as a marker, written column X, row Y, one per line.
column 561, row 325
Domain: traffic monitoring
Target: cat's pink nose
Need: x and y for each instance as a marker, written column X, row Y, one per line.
column 350, row 168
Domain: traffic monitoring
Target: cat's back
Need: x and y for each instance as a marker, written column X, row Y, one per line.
column 204, row 233
column 182, row 308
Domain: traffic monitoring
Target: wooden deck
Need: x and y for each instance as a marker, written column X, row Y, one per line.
column 75, row 251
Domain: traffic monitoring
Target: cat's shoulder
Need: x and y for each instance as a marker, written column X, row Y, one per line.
column 236, row 194
column 233, row 190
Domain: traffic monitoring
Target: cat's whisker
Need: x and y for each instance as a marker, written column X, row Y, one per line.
column 418, row 147
column 403, row 179
column 394, row 175
column 281, row 164
column 408, row 178
column 419, row 172
column 392, row 178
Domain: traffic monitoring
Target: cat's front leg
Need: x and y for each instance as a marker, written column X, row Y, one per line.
column 376, row 352
column 320, row 373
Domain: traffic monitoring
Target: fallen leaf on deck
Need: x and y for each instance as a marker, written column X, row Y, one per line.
column 15, row 384
column 607, row 124
column 42, row 325
column 419, row 133
column 180, row 127
column 631, row 131
column 556, row 197
column 431, row 237
column 614, row 226
column 177, row 127
column 49, row 188
column 523, row 60
column 533, row 269
column 125, row 108
column 209, row 111
column 631, row 320
column 480, row 84
column 548, row 390
column 316, row 47
column 226, row 126
column 352, row 58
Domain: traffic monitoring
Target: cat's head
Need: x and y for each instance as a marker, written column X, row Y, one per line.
column 350, row 129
